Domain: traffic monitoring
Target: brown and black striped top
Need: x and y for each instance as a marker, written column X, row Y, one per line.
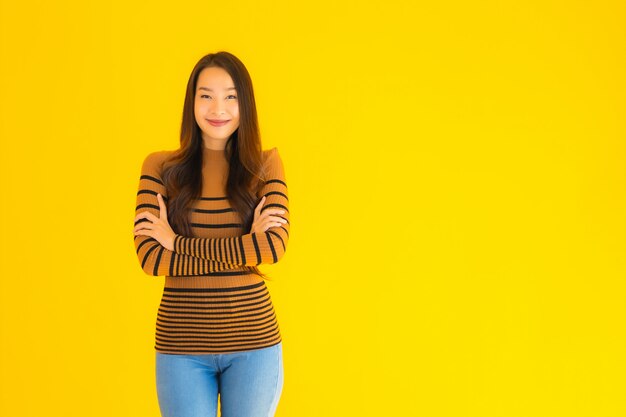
column 212, row 302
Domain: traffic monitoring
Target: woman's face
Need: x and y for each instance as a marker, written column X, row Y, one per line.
column 216, row 100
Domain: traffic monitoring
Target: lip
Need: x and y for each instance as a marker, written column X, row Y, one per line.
column 217, row 122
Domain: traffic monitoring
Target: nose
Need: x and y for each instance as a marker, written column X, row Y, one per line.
column 217, row 107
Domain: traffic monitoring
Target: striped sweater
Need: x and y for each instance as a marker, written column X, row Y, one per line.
column 212, row 302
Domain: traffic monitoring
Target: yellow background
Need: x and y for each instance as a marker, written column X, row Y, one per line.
column 457, row 183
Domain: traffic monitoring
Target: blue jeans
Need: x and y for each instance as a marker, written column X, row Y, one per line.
column 249, row 383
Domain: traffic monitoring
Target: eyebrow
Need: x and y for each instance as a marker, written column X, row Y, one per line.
column 208, row 89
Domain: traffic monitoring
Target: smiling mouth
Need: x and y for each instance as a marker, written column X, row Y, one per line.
column 217, row 122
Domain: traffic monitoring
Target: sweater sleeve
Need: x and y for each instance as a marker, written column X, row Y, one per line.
column 154, row 259
column 250, row 249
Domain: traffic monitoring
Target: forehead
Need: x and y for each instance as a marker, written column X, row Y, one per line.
column 215, row 79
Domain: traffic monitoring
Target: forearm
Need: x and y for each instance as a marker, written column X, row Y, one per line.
column 155, row 260
column 251, row 249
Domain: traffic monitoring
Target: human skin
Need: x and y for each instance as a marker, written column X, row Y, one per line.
column 215, row 99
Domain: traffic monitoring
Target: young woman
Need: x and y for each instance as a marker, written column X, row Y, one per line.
column 207, row 215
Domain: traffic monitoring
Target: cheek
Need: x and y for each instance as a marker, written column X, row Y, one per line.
column 198, row 107
column 235, row 110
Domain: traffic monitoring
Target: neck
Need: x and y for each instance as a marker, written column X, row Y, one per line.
column 213, row 146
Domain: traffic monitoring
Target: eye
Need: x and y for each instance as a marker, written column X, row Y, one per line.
column 232, row 96
column 204, row 95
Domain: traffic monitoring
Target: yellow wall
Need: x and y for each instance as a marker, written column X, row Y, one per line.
column 457, row 185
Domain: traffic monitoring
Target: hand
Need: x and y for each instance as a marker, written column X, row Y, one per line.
column 159, row 228
column 264, row 221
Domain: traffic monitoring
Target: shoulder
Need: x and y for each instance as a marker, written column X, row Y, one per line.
column 271, row 156
column 272, row 163
column 158, row 156
column 154, row 160
column 269, row 152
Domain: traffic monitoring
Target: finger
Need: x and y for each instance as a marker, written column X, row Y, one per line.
column 146, row 215
column 271, row 225
column 142, row 215
column 163, row 213
column 267, row 223
column 145, row 232
column 272, row 213
column 257, row 210
column 277, row 219
column 144, row 225
column 275, row 211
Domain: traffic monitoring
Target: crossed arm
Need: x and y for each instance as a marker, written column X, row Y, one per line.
column 199, row 256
